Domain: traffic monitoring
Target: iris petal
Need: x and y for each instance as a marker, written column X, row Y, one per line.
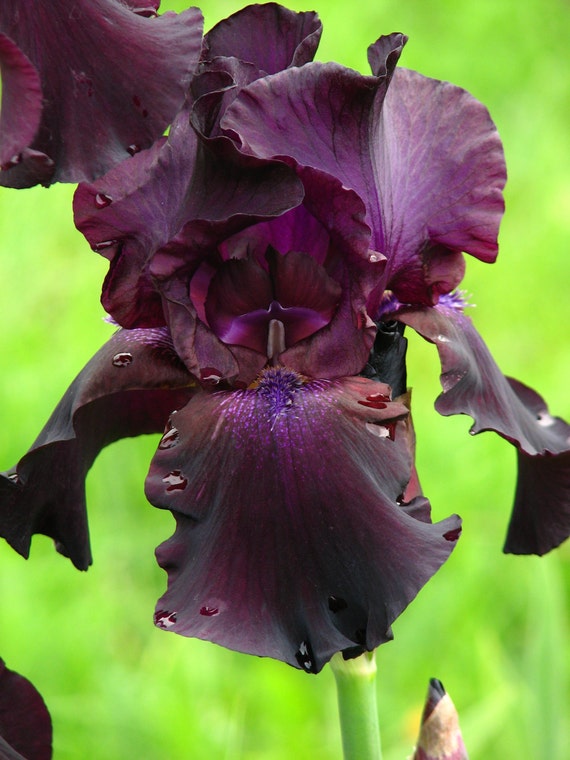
column 290, row 541
column 25, row 724
column 108, row 89
column 474, row 385
column 423, row 155
column 21, row 102
column 269, row 36
column 128, row 388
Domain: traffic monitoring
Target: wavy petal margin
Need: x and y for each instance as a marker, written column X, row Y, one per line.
column 474, row 385
column 291, row 541
column 108, row 88
column 423, row 155
column 129, row 388
column 269, row 36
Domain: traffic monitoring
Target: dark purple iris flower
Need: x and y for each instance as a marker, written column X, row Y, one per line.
column 88, row 84
column 264, row 258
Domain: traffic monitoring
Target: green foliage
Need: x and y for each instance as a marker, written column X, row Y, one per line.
column 493, row 628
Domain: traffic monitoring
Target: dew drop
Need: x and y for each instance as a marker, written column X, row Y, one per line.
column 544, row 419
column 146, row 12
column 103, row 245
column 209, row 611
column 376, row 401
column 175, row 481
column 164, row 619
column 12, row 162
column 360, row 636
column 382, row 431
column 169, row 439
column 305, row 658
column 210, row 375
column 102, row 200
column 122, row 359
column 134, row 149
column 337, row 603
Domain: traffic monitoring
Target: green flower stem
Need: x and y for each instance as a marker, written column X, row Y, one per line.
column 356, row 690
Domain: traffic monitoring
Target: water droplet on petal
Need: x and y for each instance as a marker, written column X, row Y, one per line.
column 169, row 439
column 452, row 535
column 164, row 619
column 376, row 401
column 12, row 162
column 305, row 658
column 544, row 419
column 382, row 431
column 210, row 375
column 103, row 245
column 102, row 200
column 122, row 359
column 360, row 636
column 208, row 611
column 337, row 603
column 134, row 149
column 175, row 481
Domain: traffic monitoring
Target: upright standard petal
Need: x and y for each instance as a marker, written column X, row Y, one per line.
column 108, row 88
column 269, row 36
column 129, row 388
column 291, row 541
column 474, row 385
column 423, row 155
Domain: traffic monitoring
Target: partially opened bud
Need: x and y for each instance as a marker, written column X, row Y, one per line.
column 440, row 736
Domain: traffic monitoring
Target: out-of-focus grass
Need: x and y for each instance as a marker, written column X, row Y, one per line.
column 493, row 628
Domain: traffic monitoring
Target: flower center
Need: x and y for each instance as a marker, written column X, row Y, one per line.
column 269, row 309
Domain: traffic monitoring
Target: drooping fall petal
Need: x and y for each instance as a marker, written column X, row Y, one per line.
column 474, row 385
column 129, row 388
column 291, row 541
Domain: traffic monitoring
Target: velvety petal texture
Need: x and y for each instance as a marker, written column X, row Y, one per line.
column 21, row 106
column 25, row 723
column 424, row 156
column 271, row 37
column 291, row 539
column 474, row 385
column 108, row 90
column 129, row 388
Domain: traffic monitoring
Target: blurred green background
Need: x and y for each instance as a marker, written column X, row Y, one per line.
column 494, row 628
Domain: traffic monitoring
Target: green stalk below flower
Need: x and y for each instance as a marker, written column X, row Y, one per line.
column 358, row 713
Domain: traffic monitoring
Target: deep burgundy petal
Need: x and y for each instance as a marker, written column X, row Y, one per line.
column 25, row 724
column 474, row 385
column 108, row 88
column 128, row 388
column 290, row 541
column 21, row 102
column 177, row 191
column 543, row 482
column 423, row 155
column 269, row 36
